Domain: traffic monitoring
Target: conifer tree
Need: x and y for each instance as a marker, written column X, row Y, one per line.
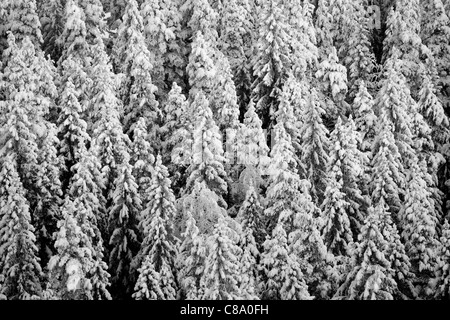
column 142, row 158
column 157, row 252
column 69, row 268
column 251, row 214
column 285, row 280
column 251, row 146
column 418, row 223
column 125, row 236
column 314, row 146
column 221, row 277
column 207, row 154
column 396, row 254
column 364, row 116
column 86, row 190
column 174, row 120
column 271, row 59
column 371, row 274
column 200, row 212
column 162, row 21
column 72, row 39
column 442, row 285
column 23, row 21
column 132, row 58
column 21, row 273
column 387, row 175
column 72, row 128
column 200, row 68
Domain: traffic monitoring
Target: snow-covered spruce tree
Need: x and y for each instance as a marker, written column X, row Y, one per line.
column 162, row 21
column 110, row 144
column 395, row 99
column 333, row 78
column 23, row 21
column 199, row 213
column 142, row 158
column 51, row 16
column 223, row 98
column 314, row 146
column 442, row 281
column 251, row 145
column 236, row 33
column 432, row 109
column 350, row 165
column 132, row 58
column 103, row 91
column 174, row 119
column 364, row 116
column 95, row 19
column 418, row 224
column 403, row 39
column 156, row 258
column 435, row 34
column 284, row 183
column 222, row 274
column 72, row 128
column 356, row 48
column 73, row 69
column 125, row 236
column 396, row 254
column 336, row 231
column 28, row 92
column 344, row 25
column 207, row 152
column 253, row 235
column 387, row 174
column 86, row 191
column 21, row 273
column 285, row 280
column 371, row 275
column 200, row 68
column 72, row 40
column 303, row 36
column 70, row 266
column 48, row 199
column 307, row 245
column 271, row 59
column 200, row 17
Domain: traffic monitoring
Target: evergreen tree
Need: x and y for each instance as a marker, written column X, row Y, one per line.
column 125, row 236
column 371, row 274
column 207, row 154
column 162, row 22
column 418, row 223
column 72, row 39
column 72, row 128
column 251, row 214
column 23, row 21
column 314, row 146
column 21, row 272
column 271, row 59
column 86, row 190
column 442, row 284
column 221, row 277
column 142, row 158
column 200, row 68
column 285, row 280
column 251, row 146
column 69, row 268
column 173, row 124
column 155, row 260
column 387, row 175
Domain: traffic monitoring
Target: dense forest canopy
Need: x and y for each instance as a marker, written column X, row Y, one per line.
column 238, row 149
